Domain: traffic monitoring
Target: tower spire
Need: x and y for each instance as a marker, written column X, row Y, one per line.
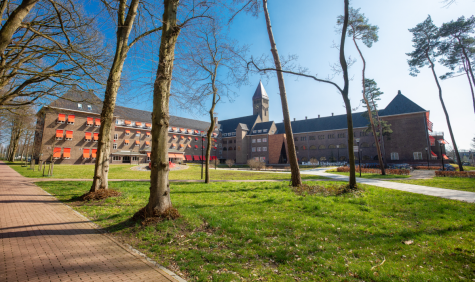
column 260, row 102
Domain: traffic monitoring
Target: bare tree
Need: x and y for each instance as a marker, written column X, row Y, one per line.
column 360, row 29
column 20, row 120
column 343, row 68
column 54, row 46
column 126, row 16
column 208, row 65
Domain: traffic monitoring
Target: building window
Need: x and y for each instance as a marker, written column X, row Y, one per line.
column 362, row 133
column 321, row 137
column 253, row 140
column 303, row 138
column 137, row 134
column 321, row 147
column 254, row 131
column 116, row 158
column 259, row 140
column 234, row 133
column 265, row 130
column 220, row 145
column 116, row 136
column 331, row 136
column 253, row 149
column 259, row 131
column 127, row 132
column 296, row 148
column 80, row 106
column 417, row 156
column 311, row 138
column 135, row 158
column 264, row 149
column 225, row 134
column 364, row 145
column 395, row 156
column 296, row 139
column 89, row 107
column 114, row 146
column 262, row 159
column 313, row 147
column 264, row 139
column 341, row 135
column 331, row 147
column 220, row 152
column 258, row 149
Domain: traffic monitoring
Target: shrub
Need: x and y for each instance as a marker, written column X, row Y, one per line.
column 230, row 163
column 256, row 164
column 428, row 167
column 464, row 174
column 375, row 170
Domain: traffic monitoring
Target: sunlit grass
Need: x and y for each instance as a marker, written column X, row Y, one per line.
column 264, row 231
column 454, row 183
column 368, row 175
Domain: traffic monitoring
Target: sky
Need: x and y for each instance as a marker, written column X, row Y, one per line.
column 306, row 28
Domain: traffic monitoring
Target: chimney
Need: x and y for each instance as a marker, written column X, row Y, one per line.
column 332, row 114
column 216, row 120
column 294, row 119
column 305, row 117
column 318, row 116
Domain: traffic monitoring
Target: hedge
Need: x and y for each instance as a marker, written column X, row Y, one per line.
column 375, row 171
column 428, row 167
column 465, row 174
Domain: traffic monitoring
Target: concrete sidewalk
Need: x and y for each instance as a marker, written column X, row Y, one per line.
column 43, row 240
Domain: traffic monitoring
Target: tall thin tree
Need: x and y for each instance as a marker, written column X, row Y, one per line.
column 426, row 40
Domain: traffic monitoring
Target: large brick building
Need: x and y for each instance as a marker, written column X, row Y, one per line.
column 67, row 131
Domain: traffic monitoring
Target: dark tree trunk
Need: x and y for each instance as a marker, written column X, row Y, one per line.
column 210, row 132
column 159, row 199
column 459, row 161
column 294, row 165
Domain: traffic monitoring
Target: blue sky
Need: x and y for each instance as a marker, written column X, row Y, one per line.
column 307, row 29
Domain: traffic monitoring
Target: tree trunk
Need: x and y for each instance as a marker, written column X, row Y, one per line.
column 344, row 93
column 159, row 199
column 465, row 63
column 15, row 139
column 459, row 161
column 294, row 165
column 125, row 24
column 210, row 132
column 370, row 113
column 13, row 22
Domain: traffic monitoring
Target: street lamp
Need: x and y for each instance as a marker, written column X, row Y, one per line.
column 427, row 154
column 359, row 155
column 338, row 149
column 441, row 156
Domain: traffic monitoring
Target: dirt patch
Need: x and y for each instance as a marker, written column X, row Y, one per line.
column 100, row 195
column 148, row 219
column 328, row 190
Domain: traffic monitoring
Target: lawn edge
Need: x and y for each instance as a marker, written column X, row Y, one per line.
column 128, row 248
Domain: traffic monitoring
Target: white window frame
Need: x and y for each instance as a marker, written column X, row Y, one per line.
column 114, row 146
column 259, row 131
column 127, row 133
column 116, row 136
column 89, row 107
column 253, row 140
column 259, row 140
column 79, row 106
column 137, row 135
column 417, row 156
column 253, row 149
column 394, row 156
column 264, row 149
column 265, row 130
column 254, row 131
column 259, row 149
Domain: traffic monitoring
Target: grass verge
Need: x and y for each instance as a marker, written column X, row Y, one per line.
column 454, row 183
column 125, row 172
column 266, row 232
column 368, row 175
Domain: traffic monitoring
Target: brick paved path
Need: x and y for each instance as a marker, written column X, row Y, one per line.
column 44, row 240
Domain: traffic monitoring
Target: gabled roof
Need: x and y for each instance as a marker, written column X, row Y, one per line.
column 260, row 92
column 263, row 125
column 401, row 105
column 230, row 125
column 70, row 100
column 243, row 126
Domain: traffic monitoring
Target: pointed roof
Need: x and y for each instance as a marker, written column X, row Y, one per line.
column 260, row 92
column 401, row 105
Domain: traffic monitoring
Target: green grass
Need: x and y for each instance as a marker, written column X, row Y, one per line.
column 454, row 183
column 263, row 231
column 465, row 167
column 369, row 175
column 125, row 172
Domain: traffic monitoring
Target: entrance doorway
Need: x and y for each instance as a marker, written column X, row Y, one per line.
column 126, row 159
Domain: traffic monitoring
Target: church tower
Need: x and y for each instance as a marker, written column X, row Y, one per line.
column 260, row 103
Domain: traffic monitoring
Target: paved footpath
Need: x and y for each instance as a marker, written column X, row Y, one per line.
column 43, row 240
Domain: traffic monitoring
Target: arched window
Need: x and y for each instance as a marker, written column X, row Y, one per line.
column 230, row 149
column 321, row 147
column 304, row 159
column 342, row 158
column 313, row 147
column 322, row 159
column 342, row 146
column 364, row 145
column 225, row 149
column 331, row 147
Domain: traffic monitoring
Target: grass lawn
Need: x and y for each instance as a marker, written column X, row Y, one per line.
column 265, row 232
column 465, row 167
column 125, row 172
column 454, row 183
column 368, row 175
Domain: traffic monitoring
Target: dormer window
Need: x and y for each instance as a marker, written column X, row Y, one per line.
column 89, row 107
column 80, row 106
column 265, row 130
column 225, row 134
column 234, row 133
column 259, row 131
column 254, row 131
